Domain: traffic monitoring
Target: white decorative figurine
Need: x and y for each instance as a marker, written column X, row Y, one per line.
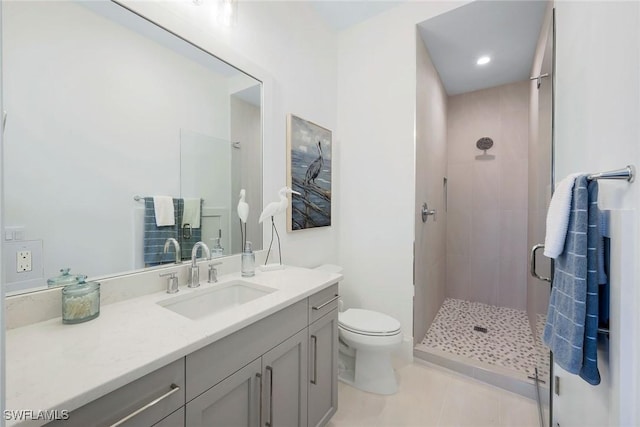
column 273, row 209
column 243, row 214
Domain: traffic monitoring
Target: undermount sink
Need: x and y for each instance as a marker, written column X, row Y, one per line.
column 216, row 299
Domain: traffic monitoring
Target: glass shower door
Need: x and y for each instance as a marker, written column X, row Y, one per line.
column 540, row 190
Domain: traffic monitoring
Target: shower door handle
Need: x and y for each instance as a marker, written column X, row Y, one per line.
column 533, row 264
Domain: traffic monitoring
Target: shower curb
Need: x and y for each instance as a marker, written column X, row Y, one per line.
column 484, row 372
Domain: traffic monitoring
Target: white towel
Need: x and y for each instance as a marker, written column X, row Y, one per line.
column 191, row 214
column 558, row 217
column 163, row 208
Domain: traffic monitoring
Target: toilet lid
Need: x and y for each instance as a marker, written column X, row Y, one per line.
column 368, row 322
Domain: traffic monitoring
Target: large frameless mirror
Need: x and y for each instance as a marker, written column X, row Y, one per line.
column 104, row 111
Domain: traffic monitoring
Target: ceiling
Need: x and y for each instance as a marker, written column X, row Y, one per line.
column 507, row 31
column 342, row 14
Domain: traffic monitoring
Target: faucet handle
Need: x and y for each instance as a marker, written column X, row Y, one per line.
column 172, row 283
column 213, row 272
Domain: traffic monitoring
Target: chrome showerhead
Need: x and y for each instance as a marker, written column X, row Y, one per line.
column 484, row 143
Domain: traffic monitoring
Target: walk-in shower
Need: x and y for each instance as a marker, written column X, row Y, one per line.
column 475, row 309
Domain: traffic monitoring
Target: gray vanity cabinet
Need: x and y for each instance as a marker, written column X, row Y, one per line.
column 233, row 402
column 284, row 373
column 278, row 372
column 274, row 360
column 273, row 387
column 323, row 369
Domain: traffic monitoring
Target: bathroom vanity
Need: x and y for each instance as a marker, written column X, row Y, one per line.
column 269, row 361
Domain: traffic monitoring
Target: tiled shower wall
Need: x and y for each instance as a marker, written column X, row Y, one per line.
column 431, row 168
column 487, row 196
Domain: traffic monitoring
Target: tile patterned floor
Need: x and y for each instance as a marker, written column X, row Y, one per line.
column 432, row 396
column 508, row 342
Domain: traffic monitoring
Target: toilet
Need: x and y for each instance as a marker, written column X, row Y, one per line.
column 366, row 340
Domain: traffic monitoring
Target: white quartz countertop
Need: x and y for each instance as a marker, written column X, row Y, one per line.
column 52, row 366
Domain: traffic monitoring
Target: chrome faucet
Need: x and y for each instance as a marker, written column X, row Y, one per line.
column 176, row 245
column 172, row 282
column 213, row 272
column 194, row 276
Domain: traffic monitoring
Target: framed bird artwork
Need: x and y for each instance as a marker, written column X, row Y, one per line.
column 308, row 173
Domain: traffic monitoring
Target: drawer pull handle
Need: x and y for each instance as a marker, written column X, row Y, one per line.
column 315, row 359
column 174, row 388
column 321, row 306
column 259, row 377
column 269, row 423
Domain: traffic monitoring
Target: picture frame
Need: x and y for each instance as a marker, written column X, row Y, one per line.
column 309, row 172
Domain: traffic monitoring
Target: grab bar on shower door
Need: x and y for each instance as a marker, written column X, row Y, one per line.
column 533, row 263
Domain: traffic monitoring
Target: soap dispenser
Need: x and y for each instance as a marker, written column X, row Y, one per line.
column 217, row 250
column 248, row 268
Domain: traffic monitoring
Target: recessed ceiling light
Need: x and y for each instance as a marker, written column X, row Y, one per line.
column 483, row 60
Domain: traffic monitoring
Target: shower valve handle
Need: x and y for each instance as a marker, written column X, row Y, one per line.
column 426, row 212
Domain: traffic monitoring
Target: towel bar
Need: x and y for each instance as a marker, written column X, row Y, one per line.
column 138, row 198
column 628, row 173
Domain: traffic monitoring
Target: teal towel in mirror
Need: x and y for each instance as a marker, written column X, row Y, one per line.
column 155, row 237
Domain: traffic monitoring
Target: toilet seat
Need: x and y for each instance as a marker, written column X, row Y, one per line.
column 370, row 323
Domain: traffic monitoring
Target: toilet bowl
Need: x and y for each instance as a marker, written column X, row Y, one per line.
column 367, row 339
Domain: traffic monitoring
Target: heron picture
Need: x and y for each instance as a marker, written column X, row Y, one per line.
column 308, row 173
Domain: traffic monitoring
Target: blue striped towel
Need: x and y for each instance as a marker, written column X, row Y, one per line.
column 589, row 371
column 155, row 237
column 572, row 319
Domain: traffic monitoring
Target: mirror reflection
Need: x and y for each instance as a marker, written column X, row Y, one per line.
column 106, row 111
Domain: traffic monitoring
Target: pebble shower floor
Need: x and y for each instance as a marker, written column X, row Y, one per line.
column 508, row 342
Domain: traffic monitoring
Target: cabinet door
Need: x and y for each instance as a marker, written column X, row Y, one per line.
column 234, row 402
column 284, row 370
column 323, row 369
column 174, row 420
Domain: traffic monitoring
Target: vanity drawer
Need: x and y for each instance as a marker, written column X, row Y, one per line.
column 213, row 363
column 152, row 397
column 323, row 302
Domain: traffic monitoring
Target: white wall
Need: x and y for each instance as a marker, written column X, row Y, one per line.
column 431, row 169
column 296, row 60
column 597, row 129
column 376, row 123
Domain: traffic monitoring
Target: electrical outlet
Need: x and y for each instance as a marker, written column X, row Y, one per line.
column 18, row 273
column 23, row 261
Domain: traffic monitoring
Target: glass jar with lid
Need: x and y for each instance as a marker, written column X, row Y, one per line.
column 65, row 278
column 80, row 301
